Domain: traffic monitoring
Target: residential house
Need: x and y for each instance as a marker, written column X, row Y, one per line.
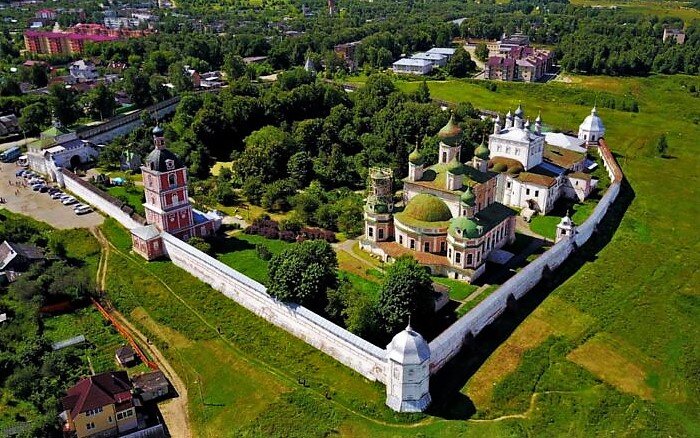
column 18, row 256
column 83, row 70
column 677, row 35
column 9, row 124
column 99, row 406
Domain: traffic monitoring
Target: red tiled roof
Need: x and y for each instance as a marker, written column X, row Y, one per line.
column 97, row 391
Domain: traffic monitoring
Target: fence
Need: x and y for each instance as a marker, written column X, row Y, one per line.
column 110, row 205
column 449, row 342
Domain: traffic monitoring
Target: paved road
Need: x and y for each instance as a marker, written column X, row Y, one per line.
column 40, row 206
column 20, row 142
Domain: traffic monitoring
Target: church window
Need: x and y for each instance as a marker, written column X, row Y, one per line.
column 426, row 247
column 449, row 252
column 176, row 199
column 171, row 218
column 527, row 192
column 381, row 233
column 464, row 212
column 470, row 259
column 150, row 181
column 156, row 245
column 170, row 164
column 444, row 157
column 458, row 257
column 509, row 184
column 171, row 179
column 400, row 240
column 498, row 148
column 203, row 230
column 412, row 244
column 508, row 150
column 537, row 193
column 442, row 246
column 370, row 232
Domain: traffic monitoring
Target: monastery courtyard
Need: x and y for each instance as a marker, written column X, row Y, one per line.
column 40, row 206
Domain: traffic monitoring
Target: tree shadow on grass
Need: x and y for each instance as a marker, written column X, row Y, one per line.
column 446, row 386
column 224, row 244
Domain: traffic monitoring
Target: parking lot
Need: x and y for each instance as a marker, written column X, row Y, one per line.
column 40, row 206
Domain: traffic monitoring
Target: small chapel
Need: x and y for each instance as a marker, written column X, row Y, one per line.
column 167, row 205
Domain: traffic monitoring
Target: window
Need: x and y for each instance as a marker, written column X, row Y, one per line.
column 444, row 157
column 412, row 244
column 400, row 240
column 150, row 181
column 464, row 212
column 509, row 184
column 156, row 245
column 537, row 193
column 458, row 257
column 92, row 412
column 381, row 233
column 470, row 259
column 508, row 150
column 171, row 179
column 110, row 419
column 442, row 246
column 370, row 232
column 426, row 246
column 449, row 252
column 90, row 426
column 175, row 199
column 527, row 191
column 120, row 416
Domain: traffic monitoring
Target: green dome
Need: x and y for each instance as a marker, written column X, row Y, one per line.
column 427, row 208
column 450, row 133
column 468, row 197
column 464, row 227
column 415, row 157
column 455, row 167
column 482, row 151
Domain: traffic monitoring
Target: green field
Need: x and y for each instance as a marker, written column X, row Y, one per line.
column 610, row 350
column 133, row 196
column 661, row 8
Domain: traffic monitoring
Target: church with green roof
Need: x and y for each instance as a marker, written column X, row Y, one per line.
column 450, row 220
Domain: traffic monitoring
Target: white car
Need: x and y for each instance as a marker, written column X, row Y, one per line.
column 58, row 195
column 78, row 205
column 64, row 196
column 85, row 209
column 69, row 201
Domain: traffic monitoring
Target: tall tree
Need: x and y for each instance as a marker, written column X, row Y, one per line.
column 303, row 273
column 461, row 64
column 64, row 104
column 406, row 293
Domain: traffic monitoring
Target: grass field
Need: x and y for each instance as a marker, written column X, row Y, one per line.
column 133, row 196
column 661, row 8
column 629, row 299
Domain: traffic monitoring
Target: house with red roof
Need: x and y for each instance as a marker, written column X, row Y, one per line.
column 100, row 406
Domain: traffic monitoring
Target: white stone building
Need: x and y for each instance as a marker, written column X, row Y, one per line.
column 592, row 128
column 408, row 372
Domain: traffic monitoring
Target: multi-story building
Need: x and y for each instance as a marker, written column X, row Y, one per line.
column 73, row 40
column 347, row 52
column 512, row 59
column 99, row 406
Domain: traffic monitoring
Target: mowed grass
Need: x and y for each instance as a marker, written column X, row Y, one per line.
column 133, row 197
column 640, row 290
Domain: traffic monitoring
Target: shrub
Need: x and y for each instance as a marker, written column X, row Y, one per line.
column 263, row 252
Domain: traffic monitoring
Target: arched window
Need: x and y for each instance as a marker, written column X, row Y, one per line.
column 171, row 179
column 470, row 259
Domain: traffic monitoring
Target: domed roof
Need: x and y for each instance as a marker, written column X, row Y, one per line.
column 159, row 159
column 455, row 167
column 427, row 208
column 415, row 157
column 566, row 222
column 408, row 347
column 451, row 132
column 158, row 131
column 482, row 151
column 519, row 112
column 468, row 197
column 592, row 123
column 509, row 115
column 464, row 227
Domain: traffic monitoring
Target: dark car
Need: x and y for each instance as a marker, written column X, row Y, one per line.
column 44, row 189
column 53, row 190
column 20, row 172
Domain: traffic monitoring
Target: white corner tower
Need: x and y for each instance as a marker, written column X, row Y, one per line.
column 565, row 229
column 408, row 371
column 592, row 128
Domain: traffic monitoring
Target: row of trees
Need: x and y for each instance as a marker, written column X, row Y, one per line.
column 307, row 274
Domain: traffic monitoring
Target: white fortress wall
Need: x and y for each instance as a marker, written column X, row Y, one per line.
column 96, row 200
column 449, row 342
column 349, row 349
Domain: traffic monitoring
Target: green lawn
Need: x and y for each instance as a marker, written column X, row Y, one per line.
column 633, row 299
column 547, row 225
column 134, row 197
column 459, row 290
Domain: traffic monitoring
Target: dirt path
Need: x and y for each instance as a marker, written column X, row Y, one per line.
column 174, row 411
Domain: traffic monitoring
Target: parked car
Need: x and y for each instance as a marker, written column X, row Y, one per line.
column 85, row 209
column 43, row 189
column 57, row 195
column 20, row 172
column 64, row 196
column 69, row 201
column 78, row 205
column 53, row 190
column 36, row 187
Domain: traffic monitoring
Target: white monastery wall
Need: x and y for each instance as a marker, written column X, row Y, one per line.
column 349, row 349
column 96, row 200
column 450, row 342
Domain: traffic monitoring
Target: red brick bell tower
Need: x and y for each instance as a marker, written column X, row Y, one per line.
column 165, row 183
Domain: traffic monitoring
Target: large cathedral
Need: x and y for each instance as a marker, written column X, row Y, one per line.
column 459, row 213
